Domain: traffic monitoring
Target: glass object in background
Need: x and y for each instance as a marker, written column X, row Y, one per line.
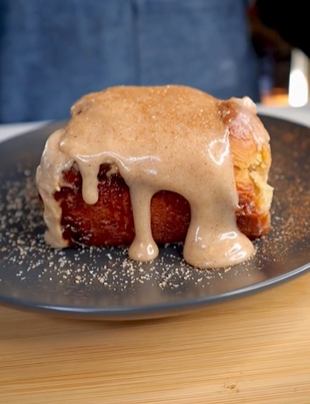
column 298, row 93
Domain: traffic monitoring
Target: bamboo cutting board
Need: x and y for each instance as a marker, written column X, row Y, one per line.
column 254, row 350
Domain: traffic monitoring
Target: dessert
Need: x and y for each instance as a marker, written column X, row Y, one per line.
column 142, row 166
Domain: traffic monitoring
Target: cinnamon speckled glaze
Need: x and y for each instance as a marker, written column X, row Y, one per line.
column 211, row 158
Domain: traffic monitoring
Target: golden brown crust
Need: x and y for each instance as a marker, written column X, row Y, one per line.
column 110, row 220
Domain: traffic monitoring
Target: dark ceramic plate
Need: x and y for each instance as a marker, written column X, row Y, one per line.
column 105, row 284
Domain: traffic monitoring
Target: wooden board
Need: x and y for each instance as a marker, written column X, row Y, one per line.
column 254, row 350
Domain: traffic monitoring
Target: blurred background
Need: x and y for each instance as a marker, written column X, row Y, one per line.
column 283, row 69
column 54, row 52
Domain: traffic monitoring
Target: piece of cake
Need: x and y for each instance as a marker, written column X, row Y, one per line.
column 142, row 166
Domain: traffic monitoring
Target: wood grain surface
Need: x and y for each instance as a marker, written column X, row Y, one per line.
column 253, row 350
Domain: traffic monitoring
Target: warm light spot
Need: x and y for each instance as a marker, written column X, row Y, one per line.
column 298, row 84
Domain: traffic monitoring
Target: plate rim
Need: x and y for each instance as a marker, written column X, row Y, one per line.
column 136, row 312
column 151, row 310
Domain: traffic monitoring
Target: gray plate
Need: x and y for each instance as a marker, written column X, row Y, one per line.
column 105, row 284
